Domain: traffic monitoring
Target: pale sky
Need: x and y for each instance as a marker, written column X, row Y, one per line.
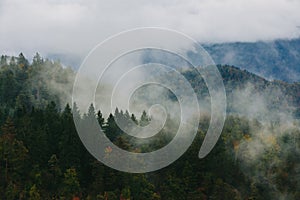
column 75, row 27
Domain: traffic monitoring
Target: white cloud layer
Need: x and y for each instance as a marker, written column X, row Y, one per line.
column 74, row 27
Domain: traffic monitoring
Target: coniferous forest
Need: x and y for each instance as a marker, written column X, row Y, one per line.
column 42, row 157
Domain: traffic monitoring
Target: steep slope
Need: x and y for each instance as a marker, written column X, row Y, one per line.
column 253, row 96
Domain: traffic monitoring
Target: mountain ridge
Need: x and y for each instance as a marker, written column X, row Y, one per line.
column 278, row 59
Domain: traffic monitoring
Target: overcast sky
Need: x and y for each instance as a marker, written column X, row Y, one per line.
column 74, row 27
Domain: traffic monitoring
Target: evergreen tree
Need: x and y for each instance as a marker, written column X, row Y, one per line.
column 37, row 60
column 100, row 119
column 144, row 121
column 22, row 62
column 111, row 128
column 34, row 193
column 91, row 112
column 13, row 161
column 133, row 118
column 98, row 170
column 12, row 61
column 54, row 127
column 52, row 176
column 71, row 186
column 3, row 60
column 70, row 145
column 141, row 188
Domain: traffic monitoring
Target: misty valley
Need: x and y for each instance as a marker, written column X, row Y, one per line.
column 42, row 156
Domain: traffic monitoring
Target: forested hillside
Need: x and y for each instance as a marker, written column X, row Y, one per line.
column 277, row 59
column 42, row 157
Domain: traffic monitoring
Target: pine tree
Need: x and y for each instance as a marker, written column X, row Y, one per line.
column 22, row 62
column 12, row 61
column 133, row 118
column 91, row 112
column 53, row 127
column 71, row 186
column 111, row 128
column 13, row 159
column 37, row 60
column 52, row 178
column 100, row 119
column 34, row 193
column 144, row 121
column 70, row 144
column 3, row 60
column 76, row 113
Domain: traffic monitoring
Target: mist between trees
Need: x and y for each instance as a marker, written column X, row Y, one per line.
column 42, row 157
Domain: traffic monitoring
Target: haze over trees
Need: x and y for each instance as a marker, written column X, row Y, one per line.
column 42, row 157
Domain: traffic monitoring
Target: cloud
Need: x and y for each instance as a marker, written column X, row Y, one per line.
column 74, row 27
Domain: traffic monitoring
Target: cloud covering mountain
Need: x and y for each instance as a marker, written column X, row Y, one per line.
column 279, row 59
column 74, row 27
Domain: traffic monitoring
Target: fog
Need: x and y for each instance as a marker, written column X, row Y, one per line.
column 75, row 27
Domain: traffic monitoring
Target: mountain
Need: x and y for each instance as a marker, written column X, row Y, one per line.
column 247, row 94
column 252, row 96
column 42, row 157
column 278, row 59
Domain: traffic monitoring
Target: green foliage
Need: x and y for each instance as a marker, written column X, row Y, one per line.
column 42, row 157
column 144, row 119
column 34, row 193
column 71, row 185
column 125, row 193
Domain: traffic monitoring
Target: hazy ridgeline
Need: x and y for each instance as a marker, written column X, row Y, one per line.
column 257, row 156
column 274, row 59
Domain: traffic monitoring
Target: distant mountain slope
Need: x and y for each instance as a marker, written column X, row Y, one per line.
column 276, row 94
column 279, row 59
column 253, row 96
column 42, row 81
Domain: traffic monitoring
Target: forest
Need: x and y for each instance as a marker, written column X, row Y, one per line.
column 42, row 157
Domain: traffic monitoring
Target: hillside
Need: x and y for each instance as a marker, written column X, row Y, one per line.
column 273, row 60
column 44, row 81
column 251, row 95
column 42, row 157
column 278, row 59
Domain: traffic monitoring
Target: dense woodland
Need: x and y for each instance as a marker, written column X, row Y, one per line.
column 42, row 157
